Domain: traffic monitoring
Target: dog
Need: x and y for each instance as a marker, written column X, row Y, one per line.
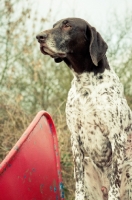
column 97, row 112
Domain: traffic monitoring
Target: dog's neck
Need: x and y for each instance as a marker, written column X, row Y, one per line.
column 81, row 64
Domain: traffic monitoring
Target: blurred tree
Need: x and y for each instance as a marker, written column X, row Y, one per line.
column 29, row 77
column 10, row 38
column 119, row 37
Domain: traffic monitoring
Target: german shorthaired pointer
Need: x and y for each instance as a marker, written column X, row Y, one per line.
column 97, row 113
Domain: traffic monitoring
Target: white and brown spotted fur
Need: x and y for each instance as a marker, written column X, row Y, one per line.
column 97, row 113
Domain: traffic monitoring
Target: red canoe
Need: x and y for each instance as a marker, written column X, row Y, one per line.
column 31, row 170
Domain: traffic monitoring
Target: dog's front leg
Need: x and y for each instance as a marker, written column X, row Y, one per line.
column 126, row 177
column 115, row 172
column 78, row 167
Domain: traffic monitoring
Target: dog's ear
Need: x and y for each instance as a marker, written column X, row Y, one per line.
column 58, row 60
column 97, row 47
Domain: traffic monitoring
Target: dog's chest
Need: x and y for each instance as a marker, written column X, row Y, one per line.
column 89, row 115
column 81, row 110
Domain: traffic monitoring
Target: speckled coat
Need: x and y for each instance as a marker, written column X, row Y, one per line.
column 100, row 122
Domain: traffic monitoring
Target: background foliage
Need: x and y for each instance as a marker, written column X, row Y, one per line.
column 30, row 82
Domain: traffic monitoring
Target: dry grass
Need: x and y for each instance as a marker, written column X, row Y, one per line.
column 66, row 156
column 13, row 122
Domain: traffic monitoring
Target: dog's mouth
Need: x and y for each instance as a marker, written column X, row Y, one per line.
column 47, row 51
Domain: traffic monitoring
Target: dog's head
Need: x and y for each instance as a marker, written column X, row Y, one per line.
column 72, row 36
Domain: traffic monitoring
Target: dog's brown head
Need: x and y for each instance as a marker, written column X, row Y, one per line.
column 74, row 41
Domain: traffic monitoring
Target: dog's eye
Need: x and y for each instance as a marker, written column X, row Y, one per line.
column 67, row 26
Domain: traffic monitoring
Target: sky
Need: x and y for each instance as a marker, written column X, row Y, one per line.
column 97, row 12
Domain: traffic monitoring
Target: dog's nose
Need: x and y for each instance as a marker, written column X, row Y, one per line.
column 41, row 36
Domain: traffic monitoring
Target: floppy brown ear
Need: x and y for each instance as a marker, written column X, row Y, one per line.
column 97, row 47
